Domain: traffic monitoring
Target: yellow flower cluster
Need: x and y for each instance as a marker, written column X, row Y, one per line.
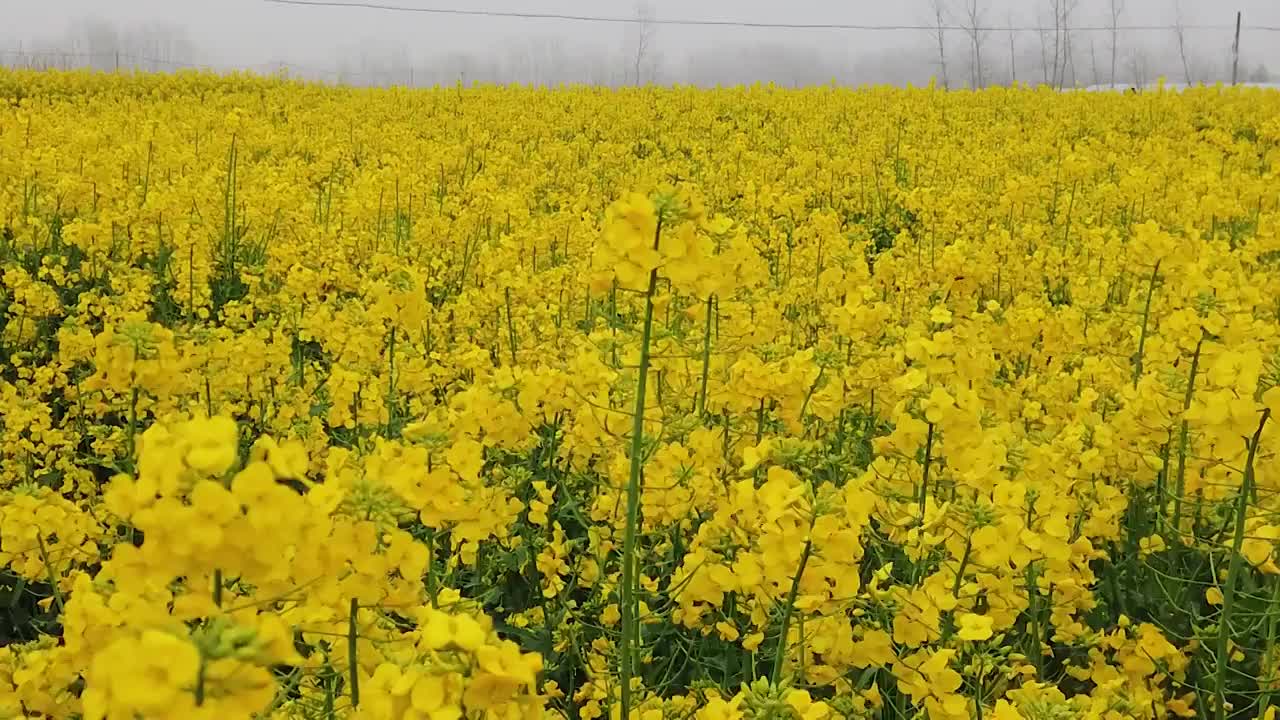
column 745, row 404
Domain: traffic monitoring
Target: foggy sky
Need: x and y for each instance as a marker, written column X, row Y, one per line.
column 252, row 33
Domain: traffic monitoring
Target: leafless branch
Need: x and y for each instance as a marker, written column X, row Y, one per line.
column 1180, row 30
column 643, row 31
column 1117, row 8
column 976, row 30
column 940, row 22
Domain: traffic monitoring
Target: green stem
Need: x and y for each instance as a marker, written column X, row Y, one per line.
column 1033, row 619
column 1265, row 701
column 133, row 423
column 191, row 282
column 760, row 422
column 924, row 481
column 329, row 682
column 200, row 679
column 1162, row 489
column 628, row 591
column 1146, row 316
column 146, row 178
column 978, row 695
column 780, row 656
column 352, row 665
column 431, row 566
column 18, row 589
column 391, row 382
column 1233, row 571
column 290, row 687
column 706, row 359
column 804, row 406
column 511, row 328
column 48, row 568
column 1182, row 441
column 964, row 565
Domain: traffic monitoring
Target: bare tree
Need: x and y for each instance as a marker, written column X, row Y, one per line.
column 1093, row 61
column 973, row 18
column 1069, row 53
column 100, row 44
column 1068, row 7
column 1013, row 56
column 1055, row 13
column 1044, row 49
column 1138, row 67
column 1055, row 7
column 642, row 32
column 939, row 19
column 101, row 41
column 1180, row 31
column 1117, row 7
column 1063, row 54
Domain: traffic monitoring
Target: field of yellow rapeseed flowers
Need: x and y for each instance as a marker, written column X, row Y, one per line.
column 677, row 404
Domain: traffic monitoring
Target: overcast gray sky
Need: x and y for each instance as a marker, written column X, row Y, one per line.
column 250, row 32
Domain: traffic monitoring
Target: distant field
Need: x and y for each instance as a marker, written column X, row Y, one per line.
column 671, row 404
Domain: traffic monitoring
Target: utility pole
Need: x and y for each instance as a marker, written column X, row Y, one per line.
column 1235, row 52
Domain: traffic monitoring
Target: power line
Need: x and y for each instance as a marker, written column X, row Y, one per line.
column 711, row 22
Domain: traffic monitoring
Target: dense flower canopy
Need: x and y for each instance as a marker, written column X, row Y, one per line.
column 491, row 402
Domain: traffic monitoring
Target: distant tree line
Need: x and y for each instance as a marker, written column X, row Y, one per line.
column 960, row 51
column 99, row 44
